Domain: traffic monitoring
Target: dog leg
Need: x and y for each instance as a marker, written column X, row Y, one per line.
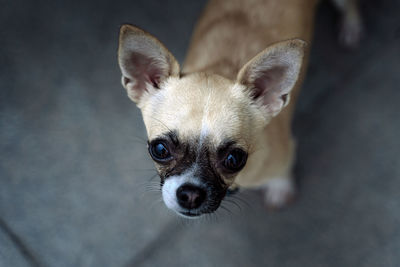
column 278, row 192
column 351, row 25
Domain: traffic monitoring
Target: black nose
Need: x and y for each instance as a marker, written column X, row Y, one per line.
column 190, row 196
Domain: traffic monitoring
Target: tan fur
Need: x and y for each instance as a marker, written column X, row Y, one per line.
column 234, row 33
column 227, row 36
column 215, row 98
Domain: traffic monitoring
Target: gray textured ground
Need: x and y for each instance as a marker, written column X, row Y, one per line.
column 74, row 167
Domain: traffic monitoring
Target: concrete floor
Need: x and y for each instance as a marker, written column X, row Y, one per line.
column 74, row 169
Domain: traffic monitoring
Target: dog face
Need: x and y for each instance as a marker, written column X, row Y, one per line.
column 202, row 127
column 199, row 130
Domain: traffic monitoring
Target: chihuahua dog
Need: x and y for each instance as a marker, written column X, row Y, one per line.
column 224, row 120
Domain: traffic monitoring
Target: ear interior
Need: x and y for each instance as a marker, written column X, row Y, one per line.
column 144, row 62
column 272, row 74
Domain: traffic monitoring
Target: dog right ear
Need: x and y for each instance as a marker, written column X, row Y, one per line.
column 144, row 62
column 271, row 75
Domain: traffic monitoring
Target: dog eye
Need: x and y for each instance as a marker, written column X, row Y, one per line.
column 159, row 151
column 235, row 160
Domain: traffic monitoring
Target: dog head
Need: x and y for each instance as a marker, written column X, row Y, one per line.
column 202, row 127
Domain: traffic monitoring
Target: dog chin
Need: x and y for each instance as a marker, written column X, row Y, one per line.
column 189, row 215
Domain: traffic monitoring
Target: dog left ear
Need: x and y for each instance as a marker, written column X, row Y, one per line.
column 144, row 61
column 271, row 75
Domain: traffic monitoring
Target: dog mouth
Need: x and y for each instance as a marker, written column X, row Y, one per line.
column 190, row 197
column 196, row 213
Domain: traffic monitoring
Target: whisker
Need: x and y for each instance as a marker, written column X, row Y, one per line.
column 161, row 123
column 241, row 200
column 153, row 177
column 226, row 209
column 137, row 139
column 231, row 201
column 152, row 189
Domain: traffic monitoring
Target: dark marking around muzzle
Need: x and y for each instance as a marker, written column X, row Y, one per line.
column 204, row 158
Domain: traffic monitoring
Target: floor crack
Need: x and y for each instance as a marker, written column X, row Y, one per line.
column 20, row 245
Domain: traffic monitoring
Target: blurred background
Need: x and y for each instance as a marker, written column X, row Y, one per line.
column 74, row 169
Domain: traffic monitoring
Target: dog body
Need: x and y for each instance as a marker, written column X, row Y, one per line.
column 232, row 35
column 218, row 123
